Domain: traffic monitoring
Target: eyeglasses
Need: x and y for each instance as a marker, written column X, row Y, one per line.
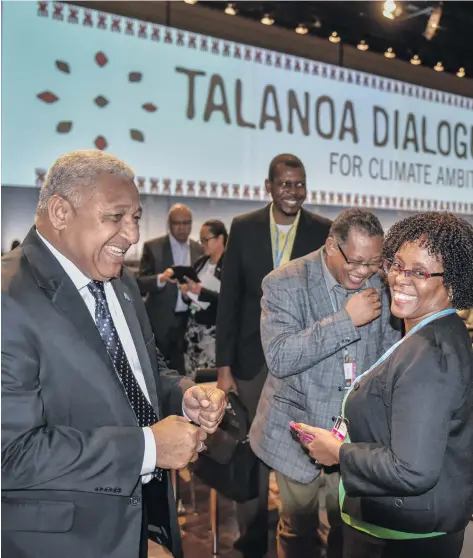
column 186, row 223
column 206, row 240
column 396, row 268
column 372, row 265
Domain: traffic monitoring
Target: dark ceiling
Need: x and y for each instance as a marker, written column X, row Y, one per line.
column 452, row 43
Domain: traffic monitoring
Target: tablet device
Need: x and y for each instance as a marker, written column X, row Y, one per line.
column 185, row 270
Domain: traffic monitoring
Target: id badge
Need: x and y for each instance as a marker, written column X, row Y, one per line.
column 340, row 428
column 349, row 369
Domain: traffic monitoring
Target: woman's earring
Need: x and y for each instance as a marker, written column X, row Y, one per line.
column 450, row 294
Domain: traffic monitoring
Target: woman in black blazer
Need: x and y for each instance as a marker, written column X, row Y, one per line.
column 407, row 471
column 200, row 333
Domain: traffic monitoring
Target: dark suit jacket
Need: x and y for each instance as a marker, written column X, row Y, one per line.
column 208, row 316
column 160, row 303
column 248, row 259
column 409, row 467
column 71, row 450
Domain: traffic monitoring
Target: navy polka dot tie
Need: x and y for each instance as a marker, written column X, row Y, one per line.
column 144, row 412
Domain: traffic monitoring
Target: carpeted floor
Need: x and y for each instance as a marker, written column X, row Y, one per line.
column 195, row 522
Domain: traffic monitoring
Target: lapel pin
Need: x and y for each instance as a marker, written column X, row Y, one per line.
column 127, row 297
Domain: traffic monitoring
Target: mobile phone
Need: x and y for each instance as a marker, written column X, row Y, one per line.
column 297, row 431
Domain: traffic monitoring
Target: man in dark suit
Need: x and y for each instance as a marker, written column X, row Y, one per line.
column 167, row 312
column 259, row 242
column 86, row 443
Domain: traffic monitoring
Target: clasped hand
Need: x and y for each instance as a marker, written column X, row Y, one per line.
column 178, row 441
column 324, row 448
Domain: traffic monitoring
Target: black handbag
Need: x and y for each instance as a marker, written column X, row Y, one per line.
column 228, row 464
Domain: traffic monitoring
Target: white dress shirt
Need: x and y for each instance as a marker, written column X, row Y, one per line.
column 181, row 255
column 81, row 281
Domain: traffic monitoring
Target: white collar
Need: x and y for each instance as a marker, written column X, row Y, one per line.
column 176, row 242
column 77, row 277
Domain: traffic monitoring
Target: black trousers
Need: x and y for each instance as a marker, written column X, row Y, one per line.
column 357, row 544
column 176, row 342
column 155, row 513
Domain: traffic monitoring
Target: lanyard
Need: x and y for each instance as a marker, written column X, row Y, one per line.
column 278, row 254
column 395, row 346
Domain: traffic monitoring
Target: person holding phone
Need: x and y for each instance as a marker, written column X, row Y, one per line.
column 202, row 297
column 407, row 471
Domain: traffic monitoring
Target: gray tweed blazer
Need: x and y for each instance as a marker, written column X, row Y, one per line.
column 303, row 341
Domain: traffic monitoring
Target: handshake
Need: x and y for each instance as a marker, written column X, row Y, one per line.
column 178, row 441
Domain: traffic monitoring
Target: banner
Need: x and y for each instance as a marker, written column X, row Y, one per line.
column 200, row 116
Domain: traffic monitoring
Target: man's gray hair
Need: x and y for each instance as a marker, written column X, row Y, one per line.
column 77, row 173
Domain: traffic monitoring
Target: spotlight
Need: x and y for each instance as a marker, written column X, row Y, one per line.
column 433, row 23
column 439, row 67
column 190, row 2
column 362, row 45
column 334, row 37
column 230, row 10
column 389, row 8
column 461, row 72
column 267, row 20
column 416, row 60
column 301, row 29
column 390, row 53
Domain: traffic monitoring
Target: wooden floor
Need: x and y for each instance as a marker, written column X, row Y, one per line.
column 195, row 523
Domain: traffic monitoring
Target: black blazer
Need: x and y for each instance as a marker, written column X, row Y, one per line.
column 410, row 467
column 160, row 303
column 248, row 259
column 208, row 317
column 71, row 449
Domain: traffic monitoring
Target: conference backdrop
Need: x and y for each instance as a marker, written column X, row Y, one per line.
column 202, row 117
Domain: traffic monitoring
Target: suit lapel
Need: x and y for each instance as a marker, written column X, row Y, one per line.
column 304, row 241
column 194, row 251
column 262, row 241
column 168, row 260
column 319, row 292
column 125, row 300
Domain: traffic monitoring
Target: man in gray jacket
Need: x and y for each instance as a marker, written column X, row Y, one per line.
column 325, row 318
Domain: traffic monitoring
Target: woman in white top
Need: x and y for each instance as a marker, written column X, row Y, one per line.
column 203, row 298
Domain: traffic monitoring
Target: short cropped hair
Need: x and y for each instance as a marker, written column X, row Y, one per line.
column 446, row 236
column 77, row 173
column 287, row 160
column 355, row 218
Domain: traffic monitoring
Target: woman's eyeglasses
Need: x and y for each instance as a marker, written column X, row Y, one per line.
column 206, row 240
column 396, row 268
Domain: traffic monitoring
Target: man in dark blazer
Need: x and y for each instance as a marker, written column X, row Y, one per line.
column 167, row 312
column 87, row 436
column 259, row 242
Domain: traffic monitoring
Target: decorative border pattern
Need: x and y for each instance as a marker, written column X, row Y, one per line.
column 149, row 31
column 75, row 15
column 217, row 190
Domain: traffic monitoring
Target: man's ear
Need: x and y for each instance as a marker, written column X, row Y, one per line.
column 267, row 186
column 59, row 211
column 330, row 245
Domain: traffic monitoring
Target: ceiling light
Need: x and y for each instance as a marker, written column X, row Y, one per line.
column 433, row 23
column 461, row 72
column 190, row 2
column 334, row 37
column 301, row 29
column 267, row 20
column 438, row 67
column 230, row 10
column 389, row 8
column 416, row 60
column 362, row 45
column 390, row 53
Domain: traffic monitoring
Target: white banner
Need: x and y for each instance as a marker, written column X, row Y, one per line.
column 200, row 116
